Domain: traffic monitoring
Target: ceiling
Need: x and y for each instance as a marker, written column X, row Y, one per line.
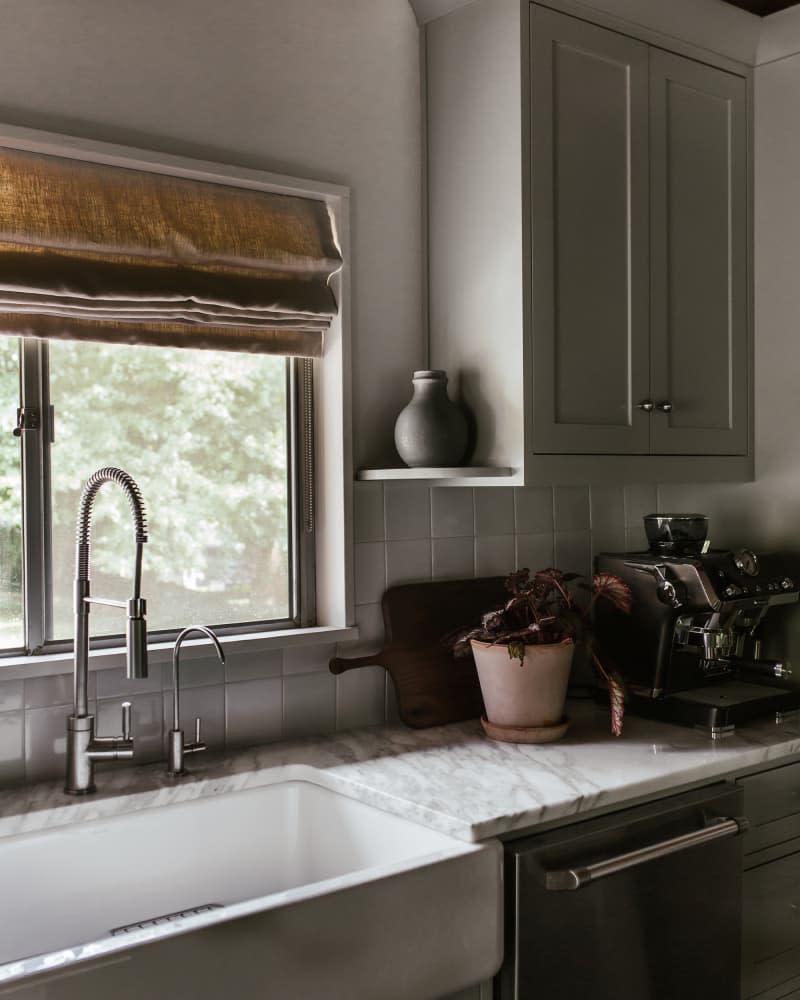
column 763, row 7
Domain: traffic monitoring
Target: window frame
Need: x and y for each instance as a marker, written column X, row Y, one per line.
column 35, row 367
column 326, row 594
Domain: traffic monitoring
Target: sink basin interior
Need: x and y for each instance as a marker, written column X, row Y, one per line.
column 78, row 882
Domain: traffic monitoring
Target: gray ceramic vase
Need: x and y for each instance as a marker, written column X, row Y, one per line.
column 432, row 430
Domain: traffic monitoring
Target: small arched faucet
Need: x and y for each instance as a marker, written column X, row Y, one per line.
column 177, row 748
column 83, row 747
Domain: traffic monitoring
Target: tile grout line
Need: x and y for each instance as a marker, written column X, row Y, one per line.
column 430, row 532
column 474, row 534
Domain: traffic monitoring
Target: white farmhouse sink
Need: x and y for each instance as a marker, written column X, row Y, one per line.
column 315, row 895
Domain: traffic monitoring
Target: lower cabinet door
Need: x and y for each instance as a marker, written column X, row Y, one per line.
column 771, row 929
column 789, row 990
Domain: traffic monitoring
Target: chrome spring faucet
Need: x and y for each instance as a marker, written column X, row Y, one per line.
column 83, row 747
column 177, row 747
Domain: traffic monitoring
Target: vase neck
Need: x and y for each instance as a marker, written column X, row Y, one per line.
column 429, row 383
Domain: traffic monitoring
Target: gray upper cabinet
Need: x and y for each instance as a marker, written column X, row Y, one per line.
column 639, row 267
column 589, row 245
column 698, row 219
column 590, row 269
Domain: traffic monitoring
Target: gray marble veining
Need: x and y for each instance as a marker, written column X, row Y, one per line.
column 451, row 778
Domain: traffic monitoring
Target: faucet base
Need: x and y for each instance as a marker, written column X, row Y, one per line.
column 80, row 791
column 80, row 766
column 175, row 751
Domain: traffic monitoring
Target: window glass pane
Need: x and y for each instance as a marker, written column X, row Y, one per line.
column 12, row 633
column 204, row 434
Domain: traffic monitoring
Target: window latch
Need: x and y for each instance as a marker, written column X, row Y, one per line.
column 28, row 419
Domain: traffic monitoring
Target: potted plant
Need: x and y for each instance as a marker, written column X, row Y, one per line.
column 523, row 651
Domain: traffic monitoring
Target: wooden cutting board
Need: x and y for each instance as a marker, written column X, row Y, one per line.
column 433, row 687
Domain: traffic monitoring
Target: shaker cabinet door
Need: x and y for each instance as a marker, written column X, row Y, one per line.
column 590, row 242
column 699, row 289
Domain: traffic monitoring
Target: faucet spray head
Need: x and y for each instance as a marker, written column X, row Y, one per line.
column 136, row 644
column 136, row 641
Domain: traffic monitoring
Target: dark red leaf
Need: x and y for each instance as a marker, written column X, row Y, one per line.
column 616, row 695
column 614, row 590
column 517, row 582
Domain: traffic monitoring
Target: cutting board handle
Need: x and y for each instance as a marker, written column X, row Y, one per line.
column 339, row 664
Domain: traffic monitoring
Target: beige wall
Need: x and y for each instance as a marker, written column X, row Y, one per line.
column 325, row 90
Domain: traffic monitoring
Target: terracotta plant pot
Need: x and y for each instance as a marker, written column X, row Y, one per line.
column 528, row 694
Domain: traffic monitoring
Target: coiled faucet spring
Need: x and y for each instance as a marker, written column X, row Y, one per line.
column 83, row 747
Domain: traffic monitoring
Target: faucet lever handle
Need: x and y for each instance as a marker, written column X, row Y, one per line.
column 126, row 720
column 197, row 744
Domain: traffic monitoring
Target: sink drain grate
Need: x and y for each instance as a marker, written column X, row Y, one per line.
column 165, row 919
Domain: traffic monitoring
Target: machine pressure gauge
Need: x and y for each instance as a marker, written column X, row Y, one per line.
column 746, row 562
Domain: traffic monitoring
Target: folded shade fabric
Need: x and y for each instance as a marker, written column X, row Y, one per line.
column 94, row 252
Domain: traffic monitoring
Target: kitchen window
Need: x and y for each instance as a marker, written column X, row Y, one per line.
column 215, row 440
column 165, row 315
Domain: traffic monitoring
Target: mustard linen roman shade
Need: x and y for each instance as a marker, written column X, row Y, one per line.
column 96, row 252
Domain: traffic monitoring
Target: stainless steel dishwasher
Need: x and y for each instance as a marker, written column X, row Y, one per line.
column 642, row 904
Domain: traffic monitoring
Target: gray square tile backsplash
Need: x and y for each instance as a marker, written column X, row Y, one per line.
column 453, row 558
column 494, row 511
column 12, row 696
column 571, row 504
column 370, row 571
column 307, row 659
column 408, row 511
column 639, row 500
column 254, row 711
column 42, row 692
column 534, row 510
column 403, row 533
column 114, row 683
column 408, row 562
column 12, row 747
column 46, row 742
column 369, row 515
column 535, row 551
column 452, row 513
column 309, row 704
column 494, row 555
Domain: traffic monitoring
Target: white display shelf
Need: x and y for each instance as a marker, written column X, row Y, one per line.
column 442, row 476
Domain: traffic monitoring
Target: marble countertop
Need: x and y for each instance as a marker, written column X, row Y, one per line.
column 450, row 778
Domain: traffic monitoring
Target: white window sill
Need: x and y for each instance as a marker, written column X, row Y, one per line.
column 50, row 664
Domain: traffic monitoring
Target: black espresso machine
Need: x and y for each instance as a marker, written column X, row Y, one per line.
column 690, row 651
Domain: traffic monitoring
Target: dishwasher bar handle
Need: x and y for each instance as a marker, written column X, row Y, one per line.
column 582, row 875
